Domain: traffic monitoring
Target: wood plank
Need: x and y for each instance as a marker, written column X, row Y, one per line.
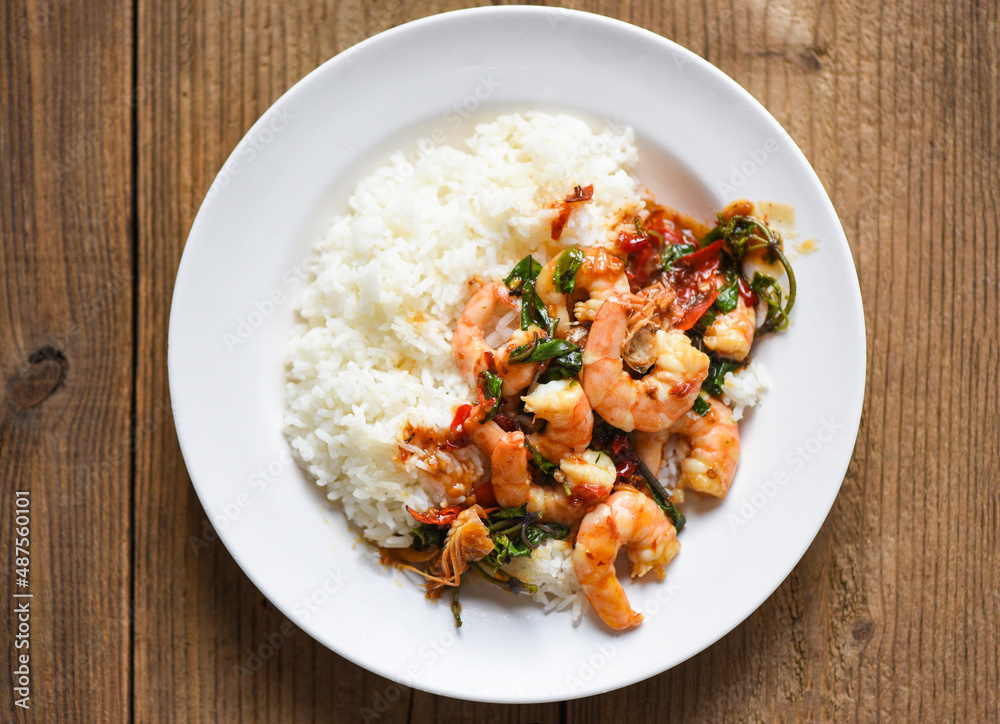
column 66, row 353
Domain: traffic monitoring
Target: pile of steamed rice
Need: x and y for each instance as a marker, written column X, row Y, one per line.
column 372, row 350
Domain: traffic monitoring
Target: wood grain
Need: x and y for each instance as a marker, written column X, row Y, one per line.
column 141, row 614
column 66, row 347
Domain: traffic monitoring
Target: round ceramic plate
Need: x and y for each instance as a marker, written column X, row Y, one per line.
column 703, row 141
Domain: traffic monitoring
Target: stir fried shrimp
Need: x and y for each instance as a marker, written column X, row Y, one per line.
column 731, row 334
column 590, row 475
column 508, row 459
column 570, row 422
column 468, row 540
column 627, row 518
column 446, row 474
column 473, row 355
column 614, row 427
column 601, row 274
column 649, row 447
column 556, row 505
column 715, row 449
column 656, row 400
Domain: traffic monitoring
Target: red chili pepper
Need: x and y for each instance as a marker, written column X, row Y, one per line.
column 619, row 442
column 580, row 193
column 693, row 279
column 437, row 516
column 587, row 494
column 631, row 242
column 484, row 494
column 507, row 424
column 748, row 294
column 461, row 415
column 625, row 467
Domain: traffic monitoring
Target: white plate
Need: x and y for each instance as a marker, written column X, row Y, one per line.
column 703, row 141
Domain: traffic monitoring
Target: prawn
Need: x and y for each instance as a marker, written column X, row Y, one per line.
column 508, row 458
column 565, row 407
column 473, row 355
column 715, row 449
column 658, row 399
column 589, row 475
column 627, row 518
column 649, row 447
column 601, row 274
column 731, row 334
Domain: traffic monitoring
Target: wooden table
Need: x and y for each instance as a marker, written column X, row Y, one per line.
column 115, row 115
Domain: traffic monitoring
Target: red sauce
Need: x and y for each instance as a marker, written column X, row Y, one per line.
column 693, row 278
column 437, row 516
column 484, row 494
column 580, row 194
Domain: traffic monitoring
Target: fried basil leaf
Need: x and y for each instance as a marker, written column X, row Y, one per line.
column 492, row 386
column 546, row 466
column 673, row 252
column 526, row 270
column 533, row 310
column 564, row 276
column 729, row 294
column 427, row 536
column 717, row 370
column 539, row 350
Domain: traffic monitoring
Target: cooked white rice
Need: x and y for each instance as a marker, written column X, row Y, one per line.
column 372, row 350
column 744, row 387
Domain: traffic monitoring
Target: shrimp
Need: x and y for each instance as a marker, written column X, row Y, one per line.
column 446, row 474
column 565, row 407
column 627, row 518
column 601, row 274
column 649, row 447
column 731, row 334
column 589, row 475
column 473, row 355
column 556, row 505
column 508, row 458
column 468, row 540
column 653, row 402
column 715, row 449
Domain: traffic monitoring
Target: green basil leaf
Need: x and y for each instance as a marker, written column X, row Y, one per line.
column 566, row 367
column 729, row 294
column 510, row 513
column 546, row 466
column 533, row 310
column 526, row 270
column 539, row 350
column 700, row 405
column 427, row 536
column 717, row 370
column 567, row 265
column 492, row 388
column 673, row 252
